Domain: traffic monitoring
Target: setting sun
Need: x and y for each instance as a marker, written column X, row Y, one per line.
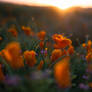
column 62, row 4
column 63, row 7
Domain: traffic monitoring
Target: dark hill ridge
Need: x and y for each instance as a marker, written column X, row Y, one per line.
column 75, row 20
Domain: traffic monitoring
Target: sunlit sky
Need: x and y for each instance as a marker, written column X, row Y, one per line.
column 58, row 3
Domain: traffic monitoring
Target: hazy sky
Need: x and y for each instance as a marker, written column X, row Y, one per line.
column 84, row 3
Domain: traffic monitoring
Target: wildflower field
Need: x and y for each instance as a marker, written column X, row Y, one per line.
column 36, row 60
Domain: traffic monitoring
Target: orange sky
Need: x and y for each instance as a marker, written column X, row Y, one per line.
column 83, row 3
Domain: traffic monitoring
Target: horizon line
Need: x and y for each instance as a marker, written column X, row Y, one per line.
column 38, row 4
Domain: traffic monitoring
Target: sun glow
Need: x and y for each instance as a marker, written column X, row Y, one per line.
column 63, row 7
column 62, row 4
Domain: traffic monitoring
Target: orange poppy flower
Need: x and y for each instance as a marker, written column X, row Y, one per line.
column 57, row 37
column 62, row 73
column 27, row 30
column 56, row 53
column 12, row 54
column 89, row 57
column 71, row 50
column 41, row 35
column 89, row 45
column 46, row 52
column 84, row 45
column 30, row 57
column 60, row 41
column 13, row 31
column 5, row 54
